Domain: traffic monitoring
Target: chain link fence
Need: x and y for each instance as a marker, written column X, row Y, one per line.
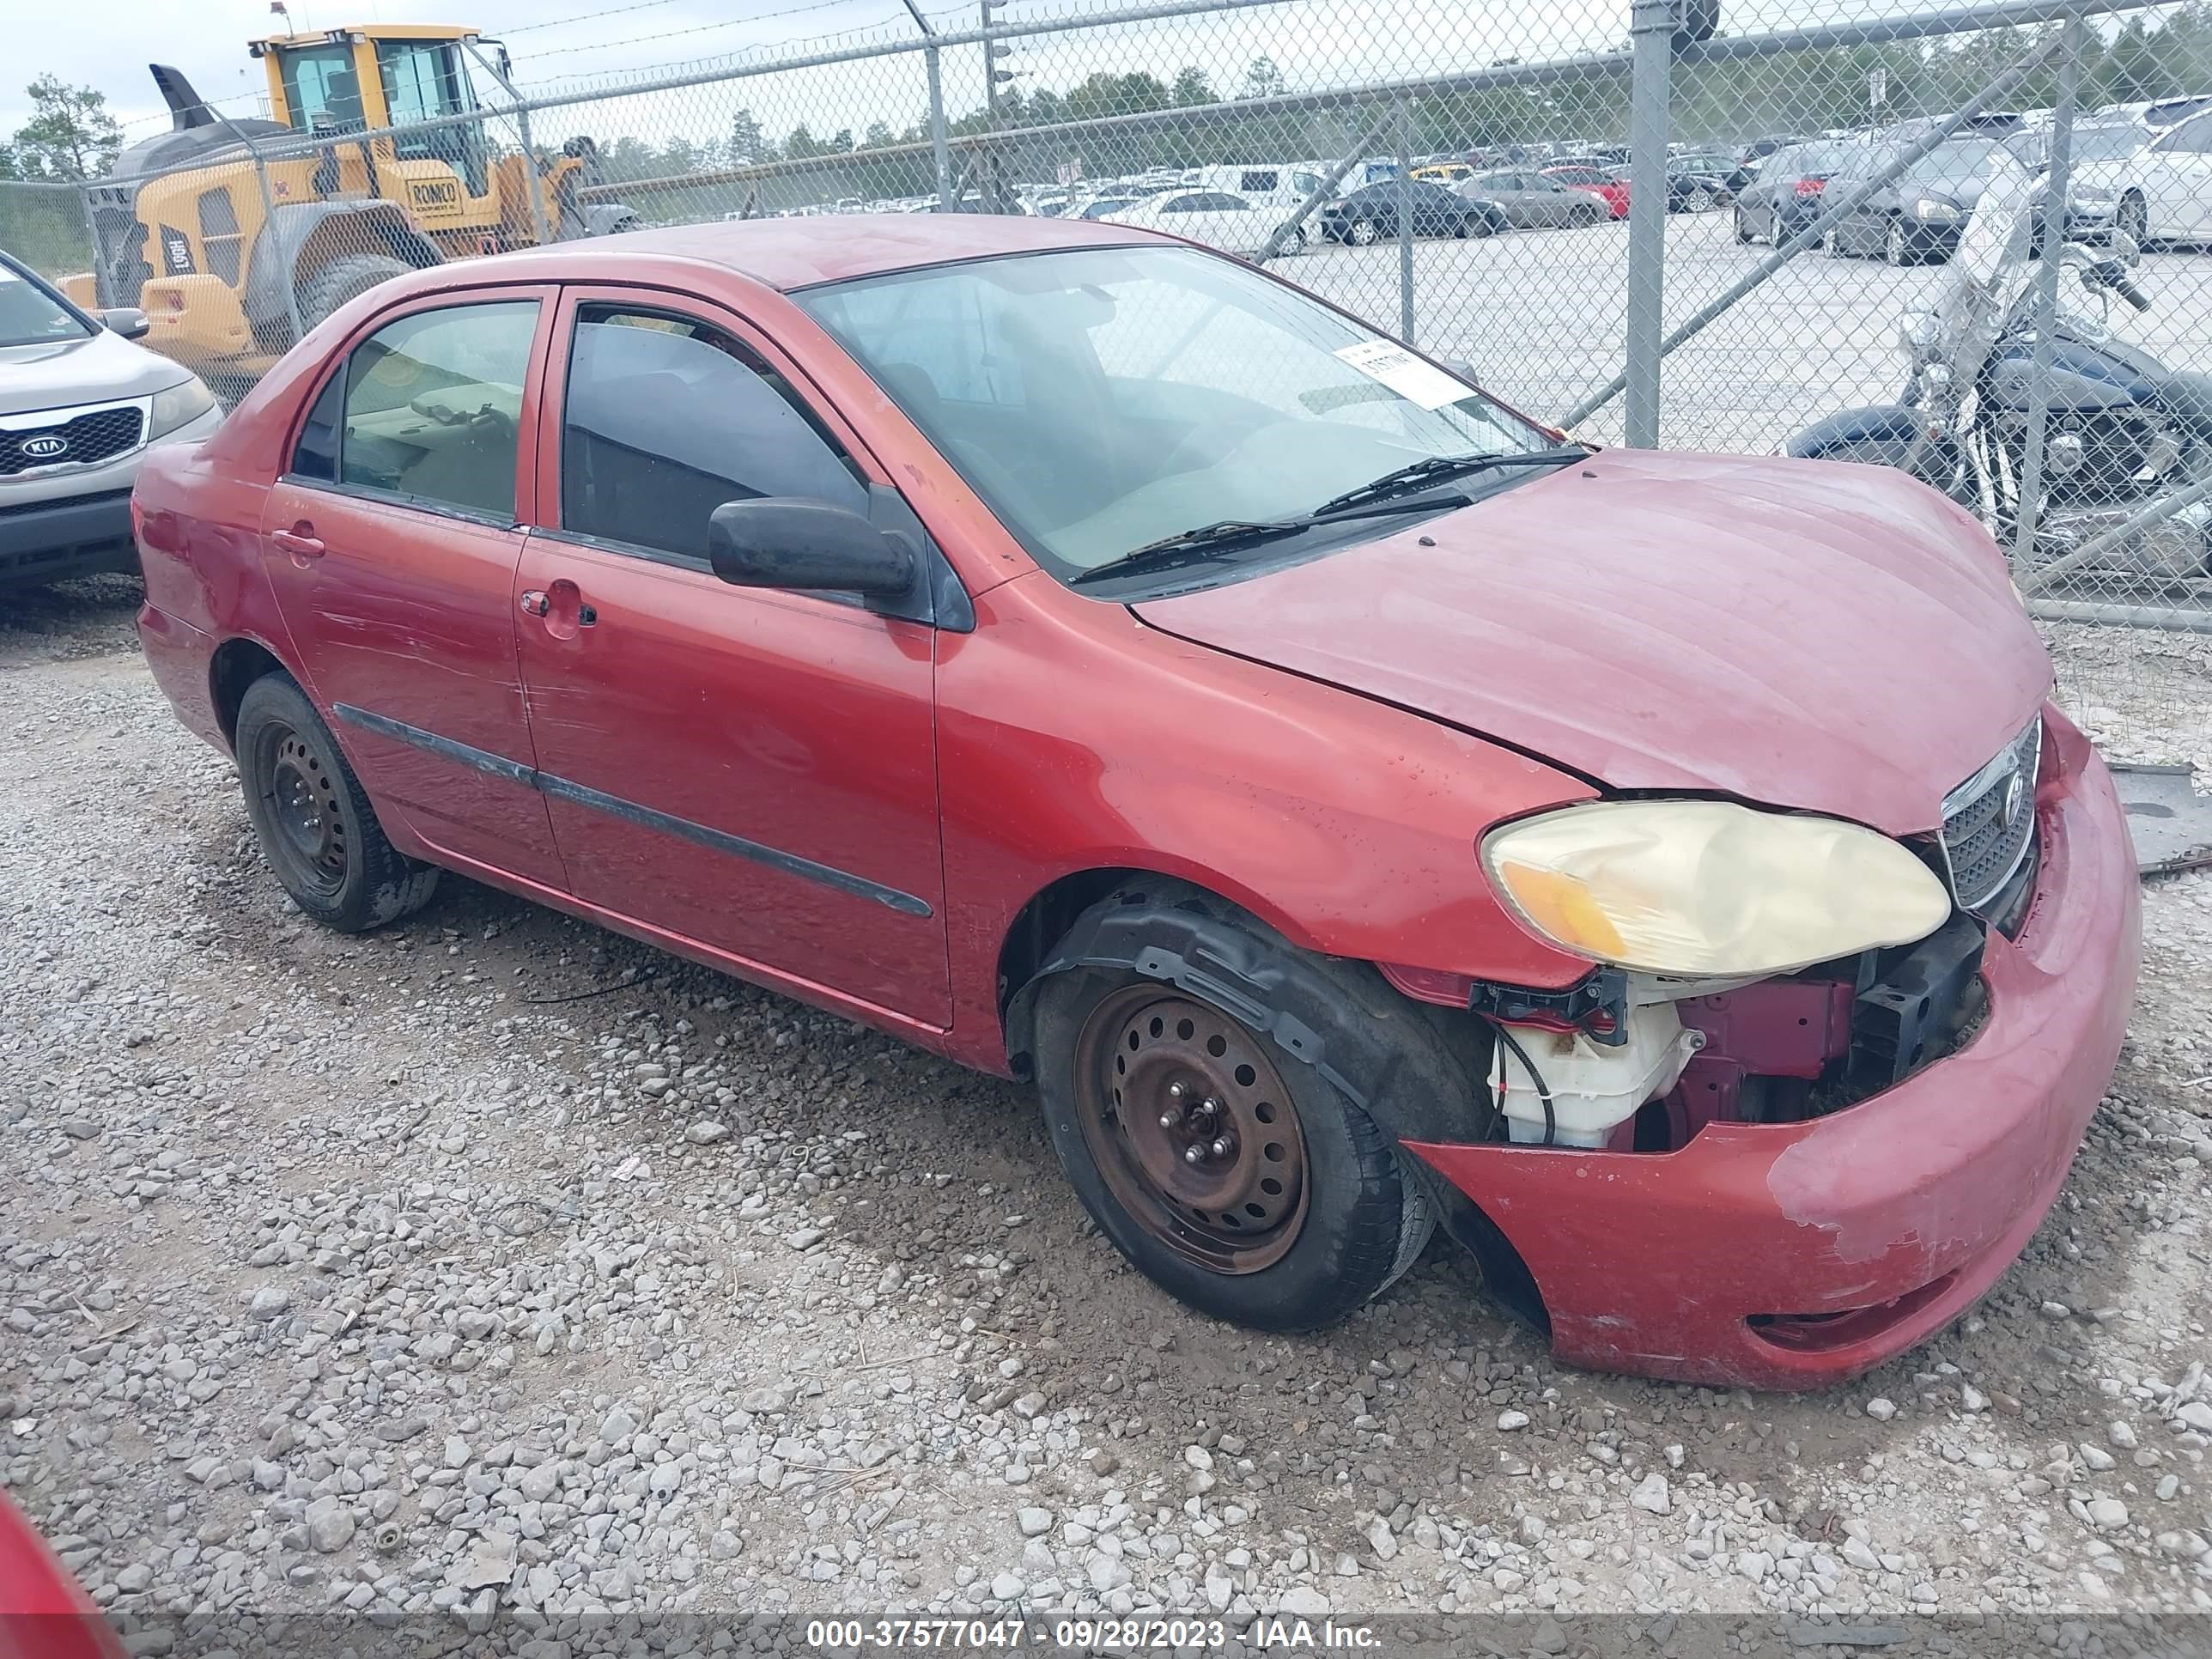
column 1747, row 233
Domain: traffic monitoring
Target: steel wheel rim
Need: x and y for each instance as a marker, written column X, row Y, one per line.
column 1896, row 245
column 299, row 801
column 1192, row 1128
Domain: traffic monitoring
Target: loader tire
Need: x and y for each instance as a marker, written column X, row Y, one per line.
column 346, row 278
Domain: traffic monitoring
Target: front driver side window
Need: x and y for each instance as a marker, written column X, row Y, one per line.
column 430, row 410
column 668, row 418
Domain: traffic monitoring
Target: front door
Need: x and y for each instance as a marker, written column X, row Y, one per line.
column 392, row 542
column 752, row 771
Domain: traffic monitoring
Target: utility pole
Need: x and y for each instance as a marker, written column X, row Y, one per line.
column 989, row 182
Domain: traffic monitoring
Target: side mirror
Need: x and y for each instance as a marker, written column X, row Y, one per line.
column 127, row 320
column 783, row 542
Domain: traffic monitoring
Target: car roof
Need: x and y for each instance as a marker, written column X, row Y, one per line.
column 792, row 253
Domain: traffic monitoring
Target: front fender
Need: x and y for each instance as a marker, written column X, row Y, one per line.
column 1883, row 435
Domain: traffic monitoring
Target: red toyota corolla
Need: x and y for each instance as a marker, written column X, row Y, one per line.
column 1355, row 806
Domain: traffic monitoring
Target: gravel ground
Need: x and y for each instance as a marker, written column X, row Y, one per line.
column 492, row 1262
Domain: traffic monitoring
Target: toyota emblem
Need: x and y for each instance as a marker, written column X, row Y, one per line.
column 46, row 447
column 2016, row 790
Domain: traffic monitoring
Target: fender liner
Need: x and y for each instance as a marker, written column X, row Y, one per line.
column 1893, row 428
column 1408, row 1065
column 276, row 257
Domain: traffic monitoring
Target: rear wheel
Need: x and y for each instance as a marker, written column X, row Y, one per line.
column 1224, row 1167
column 1363, row 234
column 312, row 819
column 346, row 278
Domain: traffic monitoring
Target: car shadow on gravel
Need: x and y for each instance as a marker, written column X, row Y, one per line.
column 89, row 617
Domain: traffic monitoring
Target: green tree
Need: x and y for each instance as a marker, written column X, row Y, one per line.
column 69, row 136
column 1192, row 87
column 747, row 143
column 1261, row 79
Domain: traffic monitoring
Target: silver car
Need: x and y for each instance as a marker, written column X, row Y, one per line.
column 1530, row 200
column 79, row 406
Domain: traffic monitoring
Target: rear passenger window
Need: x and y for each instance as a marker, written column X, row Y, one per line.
column 434, row 407
column 668, row 418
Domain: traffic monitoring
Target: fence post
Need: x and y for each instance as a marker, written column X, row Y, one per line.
column 521, row 112
column 1652, row 44
column 940, row 149
column 102, row 289
column 268, row 217
column 1405, row 223
column 2051, row 228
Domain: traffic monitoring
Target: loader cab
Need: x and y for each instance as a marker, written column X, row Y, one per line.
column 363, row 79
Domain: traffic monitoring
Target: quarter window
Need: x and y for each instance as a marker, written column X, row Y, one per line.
column 668, row 418
column 428, row 408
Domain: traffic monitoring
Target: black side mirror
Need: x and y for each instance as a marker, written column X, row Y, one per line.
column 783, row 542
column 127, row 320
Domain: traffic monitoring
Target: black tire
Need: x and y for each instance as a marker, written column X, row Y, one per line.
column 1742, row 230
column 1363, row 233
column 314, row 822
column 2133, row 219
column 1359, row 1216
column 348, row 276
column 1583, row 217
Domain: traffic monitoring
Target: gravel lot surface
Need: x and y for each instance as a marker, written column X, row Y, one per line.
column 492, row 1262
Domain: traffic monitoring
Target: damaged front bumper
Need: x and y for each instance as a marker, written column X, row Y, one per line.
column 1790, row 1255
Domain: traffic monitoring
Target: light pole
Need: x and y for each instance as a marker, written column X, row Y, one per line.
column 989, row 183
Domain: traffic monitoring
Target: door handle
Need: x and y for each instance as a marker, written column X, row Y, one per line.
column 535, row 603
column 299, row 541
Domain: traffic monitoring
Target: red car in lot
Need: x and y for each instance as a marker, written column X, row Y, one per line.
column 1357, row 807
column 1607, row 185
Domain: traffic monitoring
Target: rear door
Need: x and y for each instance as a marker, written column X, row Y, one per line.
column 2177, row 176
column 392, row 541
column 750, row 770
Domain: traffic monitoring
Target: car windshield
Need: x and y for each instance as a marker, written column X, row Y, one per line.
column 1102, row 399
column 31, row 316
column 1963, row 163
column 2112, row 143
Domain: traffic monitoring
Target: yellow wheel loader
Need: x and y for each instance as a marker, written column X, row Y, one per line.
column 236, row 254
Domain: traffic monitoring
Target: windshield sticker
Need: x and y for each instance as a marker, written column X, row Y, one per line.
column 1420, row 383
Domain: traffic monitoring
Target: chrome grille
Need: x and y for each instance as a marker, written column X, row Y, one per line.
column 85, row 441
column 1989, row 821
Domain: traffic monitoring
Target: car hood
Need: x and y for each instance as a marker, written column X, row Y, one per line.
column 1809, row 635
column 55, row 374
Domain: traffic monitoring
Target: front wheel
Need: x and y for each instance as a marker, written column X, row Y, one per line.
column 1896, row 248
column 2133, row 219
column 1742, row 230
column 1225, row 1169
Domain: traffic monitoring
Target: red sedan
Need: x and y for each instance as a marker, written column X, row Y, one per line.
column 1607, row 187
column 1356, row 806
column 44, row 1613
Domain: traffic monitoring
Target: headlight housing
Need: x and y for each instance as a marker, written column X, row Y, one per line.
column 179, row 405
column 1928, row 208
column 1696, row 888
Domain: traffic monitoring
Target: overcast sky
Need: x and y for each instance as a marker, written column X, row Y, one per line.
column 1314, row 42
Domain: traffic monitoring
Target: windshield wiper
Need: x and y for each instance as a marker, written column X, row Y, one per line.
column 1191, row 546
column 1434, row 469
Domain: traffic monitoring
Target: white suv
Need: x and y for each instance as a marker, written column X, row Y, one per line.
column 79, row 406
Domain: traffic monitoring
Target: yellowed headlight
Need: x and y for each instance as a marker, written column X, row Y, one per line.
column 1696, row 888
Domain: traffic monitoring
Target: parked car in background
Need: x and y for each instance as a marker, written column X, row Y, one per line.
column 1370, row 214
column 1100, row 207
column 1599, row 181
column 1699, row 181
column 1918, row 215
column 1445, row 172
column 80, row 406
column 1280, row 186
column 1215, row 217
column 1749, row 1039
column 1528, row 200
column 2160, row 193
column 1759, row 148
column 1787, row 192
